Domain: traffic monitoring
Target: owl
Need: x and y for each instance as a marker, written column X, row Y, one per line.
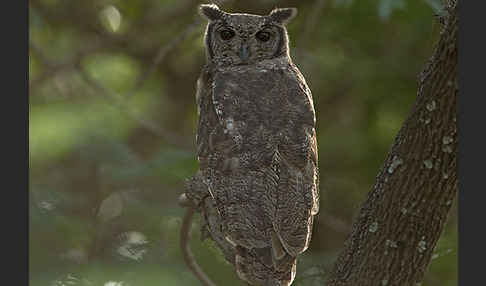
column 257, row 184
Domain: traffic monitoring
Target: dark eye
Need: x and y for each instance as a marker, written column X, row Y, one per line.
column 226, row 34
column 263, row 36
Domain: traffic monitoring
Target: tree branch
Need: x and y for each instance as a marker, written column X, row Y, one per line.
column 393, row 238
column 185, row 235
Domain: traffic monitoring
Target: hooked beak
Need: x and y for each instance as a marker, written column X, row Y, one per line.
column 244, row 54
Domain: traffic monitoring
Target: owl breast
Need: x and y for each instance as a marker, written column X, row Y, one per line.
column 259, row 107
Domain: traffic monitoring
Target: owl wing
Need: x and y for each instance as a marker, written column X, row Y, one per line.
column 297, row 195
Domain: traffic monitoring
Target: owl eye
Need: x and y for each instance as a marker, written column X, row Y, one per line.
column 226, row 34
column 263, row 36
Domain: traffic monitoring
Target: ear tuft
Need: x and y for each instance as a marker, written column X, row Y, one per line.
column 283, row 15
column 210, row 11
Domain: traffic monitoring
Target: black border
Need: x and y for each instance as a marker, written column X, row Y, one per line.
column 15, row 116
column 470, row 209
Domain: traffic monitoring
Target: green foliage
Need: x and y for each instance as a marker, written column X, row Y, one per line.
column 111, row 135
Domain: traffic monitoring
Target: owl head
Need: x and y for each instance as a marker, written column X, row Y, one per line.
column 243, row 39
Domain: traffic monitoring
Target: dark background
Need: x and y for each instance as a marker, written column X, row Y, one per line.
column 112, row 119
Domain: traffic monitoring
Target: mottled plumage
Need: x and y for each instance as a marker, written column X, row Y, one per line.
column 257, row 186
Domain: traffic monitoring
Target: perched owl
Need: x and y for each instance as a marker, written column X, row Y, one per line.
column 257, row 185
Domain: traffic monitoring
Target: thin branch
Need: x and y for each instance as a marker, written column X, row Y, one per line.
column 184, row 241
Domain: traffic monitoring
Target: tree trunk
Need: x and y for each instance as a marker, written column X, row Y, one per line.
column 394, row 235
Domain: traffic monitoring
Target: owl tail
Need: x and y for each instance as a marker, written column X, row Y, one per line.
column 259, row 267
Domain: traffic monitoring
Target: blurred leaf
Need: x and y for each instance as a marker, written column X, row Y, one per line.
column 132, row 245
column 111, row 18
column 68, row 279
column 115, row 283
column 111, row 207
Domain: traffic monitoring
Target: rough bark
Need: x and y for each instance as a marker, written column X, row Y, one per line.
column 399, row 224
